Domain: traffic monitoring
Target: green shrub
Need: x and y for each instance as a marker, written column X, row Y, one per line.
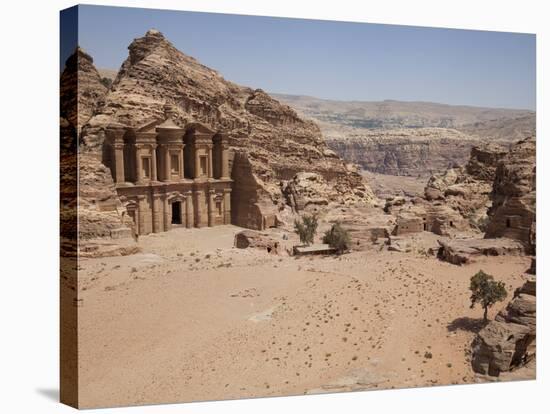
column 306, row 228
column 338, row 238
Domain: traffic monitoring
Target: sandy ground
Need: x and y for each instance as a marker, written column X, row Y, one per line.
column 192, row 318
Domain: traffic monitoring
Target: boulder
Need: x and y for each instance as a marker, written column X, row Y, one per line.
column 254, row 239
column 462, row 251
column 500, row 347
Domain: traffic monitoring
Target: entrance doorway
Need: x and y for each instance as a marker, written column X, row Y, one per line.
column 176, row 212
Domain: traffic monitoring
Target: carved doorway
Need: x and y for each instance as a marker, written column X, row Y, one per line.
column 176, row 212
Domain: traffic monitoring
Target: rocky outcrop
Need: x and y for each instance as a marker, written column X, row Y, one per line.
column 308, row 191
column 269, row 141
column 89, row 201
column 254, row 239
column 367, row 226
column 513, row 211
column 467, row 189
column 81, row 90
column 509, row 341
column 463, row 251
column 414, row 152
column 100, row 211
column 417, row 214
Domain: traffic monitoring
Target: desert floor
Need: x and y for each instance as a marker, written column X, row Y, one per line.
column 193, row 318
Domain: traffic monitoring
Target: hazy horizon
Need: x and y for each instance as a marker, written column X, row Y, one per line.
column 331, row 60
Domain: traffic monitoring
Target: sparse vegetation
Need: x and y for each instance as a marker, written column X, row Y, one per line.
column 486, row 291
column 338, row 238
column 106, row 82
column 306, row 228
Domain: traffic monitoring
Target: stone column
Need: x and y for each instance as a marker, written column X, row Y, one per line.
column 211, row 207
column 119, row 163
column 201, row 217
column 157, row 212
column 227, row 206
column 154, row 175
column 141, row 214
column 189, row 209
column 197, row 164
column 167, row 215
column 138, row 165
column 167, row 166
column 210, row 169
column 225, row 161
column 182, row 173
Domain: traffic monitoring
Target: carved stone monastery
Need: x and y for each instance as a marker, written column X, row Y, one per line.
column 170, row 176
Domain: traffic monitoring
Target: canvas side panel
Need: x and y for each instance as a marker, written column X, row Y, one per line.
column 68, row 209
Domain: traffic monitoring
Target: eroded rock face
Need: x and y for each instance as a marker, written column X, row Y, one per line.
column 467, row 189
column 270, row 142
column 308, row 191
column 81, row 90
column 414, row 152
column 91, row 203
column 509, row 341
column 100, row 211
column 513, row 211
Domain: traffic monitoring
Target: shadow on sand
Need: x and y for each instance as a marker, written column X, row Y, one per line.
column 467, row 324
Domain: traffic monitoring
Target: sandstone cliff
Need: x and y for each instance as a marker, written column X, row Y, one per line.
column 81, row 90
column 270, row 142
column 413, row 152
column 91, row 202
column 513, row 211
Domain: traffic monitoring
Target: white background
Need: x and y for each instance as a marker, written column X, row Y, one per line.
column 29, row 201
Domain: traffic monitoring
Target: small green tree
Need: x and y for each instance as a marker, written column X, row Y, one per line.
column 486, row 291
column 306, row 228
column 338, row 238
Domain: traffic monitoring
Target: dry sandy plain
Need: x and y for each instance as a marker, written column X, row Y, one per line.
column 193, row 318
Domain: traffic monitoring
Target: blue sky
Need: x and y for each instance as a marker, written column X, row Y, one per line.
column 332, row 60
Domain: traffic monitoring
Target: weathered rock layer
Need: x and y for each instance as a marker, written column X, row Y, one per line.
column 412, row 152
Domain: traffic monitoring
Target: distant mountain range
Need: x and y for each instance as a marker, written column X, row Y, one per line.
column 339, row 119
